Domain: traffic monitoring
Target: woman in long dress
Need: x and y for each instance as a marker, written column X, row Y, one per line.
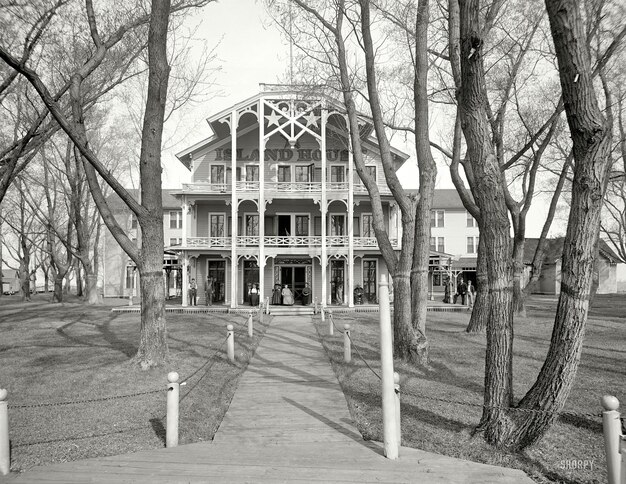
column 276, row 295
column 287, row 296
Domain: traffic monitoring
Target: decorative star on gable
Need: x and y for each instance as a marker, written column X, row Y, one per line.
column 273, row 118
column 311, row 119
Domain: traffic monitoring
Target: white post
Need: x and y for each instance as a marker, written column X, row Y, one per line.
column 612, row 436
column 250, row 325
column 5, row 461
column 347, row 351
column 184, row 280
column 390, row 439
column 330, row 321
column 324, row 214
column 234, row 207
column 171, row 426
column 350, row 264
column 396, row 387
column 323, row 314
column 230, row 346
column 267, row 305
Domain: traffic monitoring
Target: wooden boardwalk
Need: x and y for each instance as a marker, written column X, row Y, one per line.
column 288, row 422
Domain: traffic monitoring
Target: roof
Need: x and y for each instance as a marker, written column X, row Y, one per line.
column 276, row 91
column 169, row 200
column 554, row 250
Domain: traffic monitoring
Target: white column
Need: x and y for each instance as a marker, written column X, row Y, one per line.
column 350, row 268
column 324, row 210
column 261, row 202
column 184, row 281
column 233, row 209
column 184, row 208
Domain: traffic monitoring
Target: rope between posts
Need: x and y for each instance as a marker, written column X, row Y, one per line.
column 356, row 348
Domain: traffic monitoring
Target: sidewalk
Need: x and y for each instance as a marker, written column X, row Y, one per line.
column 288, row 422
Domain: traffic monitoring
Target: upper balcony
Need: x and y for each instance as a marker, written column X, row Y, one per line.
column 270, row 241
column 279, row 189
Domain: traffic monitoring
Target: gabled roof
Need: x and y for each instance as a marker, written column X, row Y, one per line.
column 295, row 92
column 554, row 250
column 443, row 199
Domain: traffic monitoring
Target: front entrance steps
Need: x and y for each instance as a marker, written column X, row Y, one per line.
column 291, row 310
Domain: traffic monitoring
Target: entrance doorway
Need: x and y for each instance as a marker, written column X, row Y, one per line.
column 369, row 281
column 295, row 277
column 217, row 270
column 337, row 270
column 250, row 276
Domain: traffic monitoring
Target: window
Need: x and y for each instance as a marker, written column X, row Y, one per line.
column 252, row 173
column 437, row 218
column 284, row 174
column 217, row 225
column 133, row 222
column 302, row 174
column 471, row 221
column 371, row 171
column 175, row 241
column 368, row 225
column 472, row 245
column 337, row 225
column 302, row 225
column 130, row 277
column 317, row 226
column 437, row 244
column 252, row 225
column 337, row 174
column 217, row 174
column 176, row 219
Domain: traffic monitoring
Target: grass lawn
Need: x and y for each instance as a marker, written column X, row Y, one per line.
column 457, row 373
column 51, row 353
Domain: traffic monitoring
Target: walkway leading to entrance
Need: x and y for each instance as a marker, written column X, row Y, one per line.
column 288, row 422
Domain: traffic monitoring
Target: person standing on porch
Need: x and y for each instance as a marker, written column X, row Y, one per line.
column 193, row 293
column 254, row 295
column 208, row 291
column 470, row 295
column 287, row 296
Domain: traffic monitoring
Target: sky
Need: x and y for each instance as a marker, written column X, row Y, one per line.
column 251, row 51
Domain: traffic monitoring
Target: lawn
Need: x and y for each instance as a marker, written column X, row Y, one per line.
column 55, row 353
column 441, row 405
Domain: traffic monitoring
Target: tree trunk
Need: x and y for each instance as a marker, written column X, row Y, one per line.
column 91, row 289
column 519, row 300
column 427, row 180
column 57, row 295
column 591, row 136
column 494, row 222
column 153, row 348
column 405, row 341
column 480, row 310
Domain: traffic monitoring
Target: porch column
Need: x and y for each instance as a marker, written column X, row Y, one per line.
column 184, row 209
column 261, row 203
column 233, row 209
column 184, row 282
column 323, row 209
column 350, row 228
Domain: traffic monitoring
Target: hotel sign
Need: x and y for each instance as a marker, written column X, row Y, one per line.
column 299, row 154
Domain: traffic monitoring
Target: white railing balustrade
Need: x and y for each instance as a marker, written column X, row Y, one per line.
column 296, row 240
column 248, row 241
column 207, row 187
column 300, row 187
column 247, row 186
column 208, row 242
column 337, row 241
column 337, row 186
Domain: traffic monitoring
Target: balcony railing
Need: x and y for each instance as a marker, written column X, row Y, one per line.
column 278, row 187
column 333, row 241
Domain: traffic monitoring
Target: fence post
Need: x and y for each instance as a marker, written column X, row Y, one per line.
column 5, row 456
column 230, row 343
column 390, row 439
column 250, row 325
column 267, row 305
column 323, row 314
column 171, row 425
column 612, row 435
column 315, row 311
column 347, row 350
column 396, row 387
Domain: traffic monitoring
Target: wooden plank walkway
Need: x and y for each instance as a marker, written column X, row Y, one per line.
column 288, row 422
